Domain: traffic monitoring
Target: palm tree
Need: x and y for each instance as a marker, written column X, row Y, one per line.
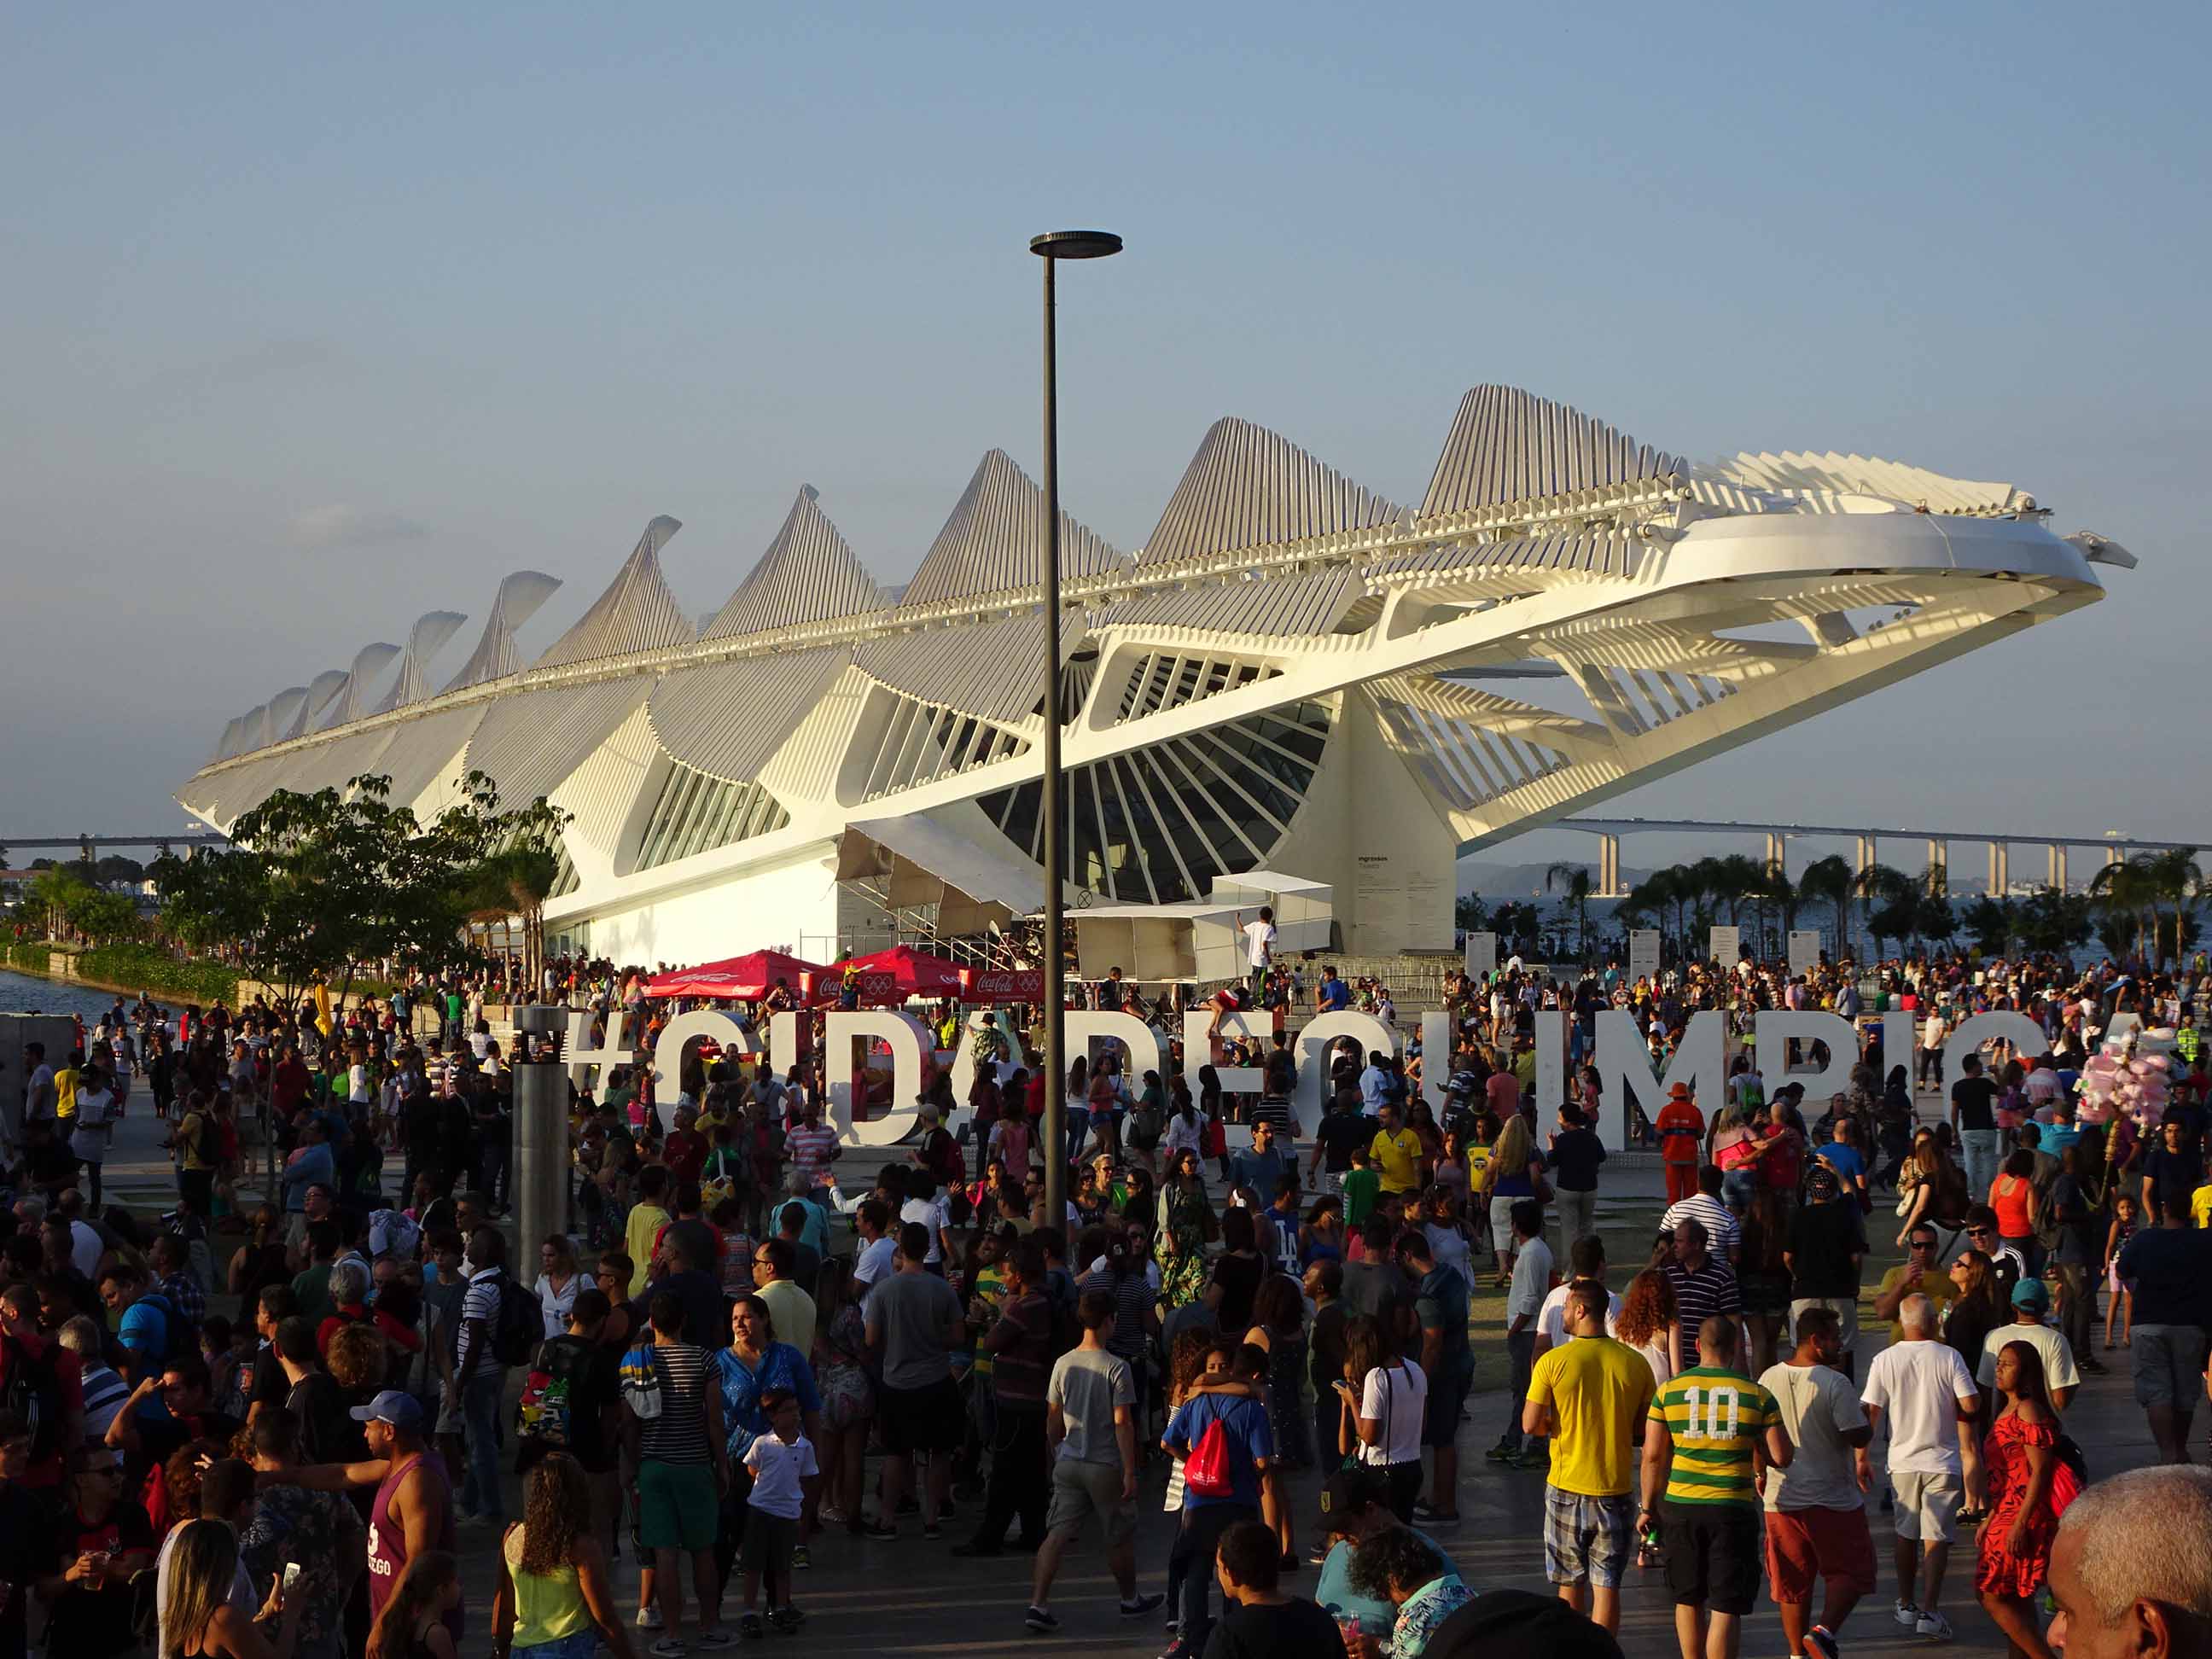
column 1646, row 901
column 1784, row 895
column 1737, row 878
column 1577, row 877
column 2175, row 876
column 1831, row 881
column 2128, row 890
column 1887, row 886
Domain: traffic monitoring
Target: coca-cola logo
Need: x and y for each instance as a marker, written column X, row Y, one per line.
column 1007, row 984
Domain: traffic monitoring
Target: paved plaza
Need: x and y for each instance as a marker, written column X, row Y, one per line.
column 912, row 1597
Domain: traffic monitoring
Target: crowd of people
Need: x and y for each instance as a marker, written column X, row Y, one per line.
column 349, row 1377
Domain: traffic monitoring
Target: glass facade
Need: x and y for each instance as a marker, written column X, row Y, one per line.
column 697, row 813
column 1159, row 825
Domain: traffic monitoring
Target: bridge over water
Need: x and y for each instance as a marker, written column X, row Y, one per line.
column 2113, row 850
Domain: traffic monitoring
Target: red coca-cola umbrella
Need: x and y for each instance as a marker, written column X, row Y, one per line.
column 887, row 978
column 749, row 977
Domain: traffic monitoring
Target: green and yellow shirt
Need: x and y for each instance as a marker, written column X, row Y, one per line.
column 1715, row 1418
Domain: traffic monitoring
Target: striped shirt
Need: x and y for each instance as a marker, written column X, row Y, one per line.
column 678, row 1435
column 1722, row 1231
column 1698, row 1296
column 1715, row 1418
column 479, row 1302
column 810, row 1146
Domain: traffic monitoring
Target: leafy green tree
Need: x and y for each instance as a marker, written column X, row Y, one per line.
column 106, row 918
column 56, row 894
column 324, row 887
column 2048, row 920
column 1993, row 922
column 1469, row 914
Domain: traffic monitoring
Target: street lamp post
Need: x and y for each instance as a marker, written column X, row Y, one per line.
column 1052, row 247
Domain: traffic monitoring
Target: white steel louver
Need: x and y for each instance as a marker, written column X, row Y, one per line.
column 495, row 657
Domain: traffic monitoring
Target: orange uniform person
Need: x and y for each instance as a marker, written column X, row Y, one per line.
column 1682, row 1132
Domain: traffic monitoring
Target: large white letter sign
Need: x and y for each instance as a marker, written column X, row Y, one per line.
column 1198, row 1049
column 1371, row 1033
column 1998, row 1025
column 680, row 1033
column 1777, row 1028
column 1624, row 1068
column 964, row 1063
column 1550, row 1041
column 583, row 1058
column 909, row 1039
column 1437, row 1058
column 1087, row 1027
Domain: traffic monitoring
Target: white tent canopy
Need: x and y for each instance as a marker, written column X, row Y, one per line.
column 1203, row 940
column 917, row 860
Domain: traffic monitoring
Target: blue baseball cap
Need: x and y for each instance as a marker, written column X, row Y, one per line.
column 402, row 1411
column 2030, row 1293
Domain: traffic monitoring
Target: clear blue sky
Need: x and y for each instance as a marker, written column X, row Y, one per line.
column 316, row 317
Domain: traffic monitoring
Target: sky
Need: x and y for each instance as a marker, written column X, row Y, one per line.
column 316, row 317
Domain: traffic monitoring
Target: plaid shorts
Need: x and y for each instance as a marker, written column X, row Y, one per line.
column 1586, row 1537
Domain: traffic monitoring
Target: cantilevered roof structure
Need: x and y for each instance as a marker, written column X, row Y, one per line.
column 1295, row 673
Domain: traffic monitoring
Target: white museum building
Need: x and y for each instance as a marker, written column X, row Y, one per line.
column 1296, row 686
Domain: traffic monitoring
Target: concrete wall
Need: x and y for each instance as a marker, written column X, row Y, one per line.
column 1369, row 830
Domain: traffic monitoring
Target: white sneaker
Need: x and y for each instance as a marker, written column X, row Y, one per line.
column 1935, row 1625
column 1907, row 1614
column 649, row 1619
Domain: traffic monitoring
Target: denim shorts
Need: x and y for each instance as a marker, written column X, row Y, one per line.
column 581, row 1645
column 2169, row 1364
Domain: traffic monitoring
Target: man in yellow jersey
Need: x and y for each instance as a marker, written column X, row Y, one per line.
column 1591, row 1396
column 1712, row 1429
column 65, row 1081
column 1395, row 1152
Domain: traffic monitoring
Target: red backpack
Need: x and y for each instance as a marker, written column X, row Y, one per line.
column 1206, row 1471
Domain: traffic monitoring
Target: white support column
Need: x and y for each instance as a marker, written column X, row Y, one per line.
column 2000, row 869
column 1939, row 857
column 1870, row 854
column 2058, row 864
column 1777, row 852
column 1608, row 867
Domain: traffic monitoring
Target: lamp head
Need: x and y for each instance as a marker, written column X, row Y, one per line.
column 1075, row 245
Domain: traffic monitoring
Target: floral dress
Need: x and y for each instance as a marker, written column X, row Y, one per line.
column 847, row 1397
column 2004, row 1456
column 1422, row 1612
column 321, row 1532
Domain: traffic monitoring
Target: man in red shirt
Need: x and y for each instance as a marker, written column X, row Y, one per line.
column 58, row 1386
column 686, row 1150
column 288, row 1083
column 1682, row 1129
